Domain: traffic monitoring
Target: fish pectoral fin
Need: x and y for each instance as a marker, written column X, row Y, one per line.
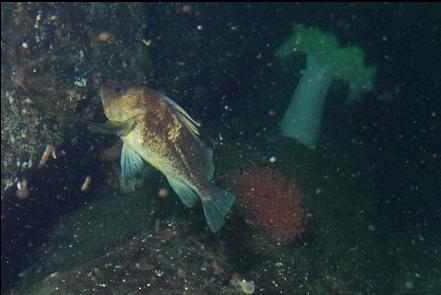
column 187, row 195
column 112, row 127
column 216, row 207
column 131, row 162
column 100, row 128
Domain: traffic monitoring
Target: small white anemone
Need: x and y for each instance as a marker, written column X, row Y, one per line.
column 247, row 287
column 243, row 286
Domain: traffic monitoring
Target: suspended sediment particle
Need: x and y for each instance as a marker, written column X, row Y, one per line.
column 49, row 151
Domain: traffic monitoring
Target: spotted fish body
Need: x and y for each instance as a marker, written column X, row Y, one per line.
column 157, row 130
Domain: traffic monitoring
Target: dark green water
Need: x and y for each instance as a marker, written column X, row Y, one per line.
column 371, row 186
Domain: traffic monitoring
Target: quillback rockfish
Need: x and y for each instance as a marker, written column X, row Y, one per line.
column 156, row 129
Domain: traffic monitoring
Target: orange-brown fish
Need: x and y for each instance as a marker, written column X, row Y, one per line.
column 156, row 129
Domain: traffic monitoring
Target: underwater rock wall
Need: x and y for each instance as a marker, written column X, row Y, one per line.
column 54, row 58
column 53, row 63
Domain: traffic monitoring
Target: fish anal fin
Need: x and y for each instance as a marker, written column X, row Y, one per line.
column 187, row 195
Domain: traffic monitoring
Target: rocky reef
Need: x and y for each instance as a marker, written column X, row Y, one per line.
column 120, row 244
column 65, row 224
column 52, row 65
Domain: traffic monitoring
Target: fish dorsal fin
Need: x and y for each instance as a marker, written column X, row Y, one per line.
column 183, row 116
column 131, row 162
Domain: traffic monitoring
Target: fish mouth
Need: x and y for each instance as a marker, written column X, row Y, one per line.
column 102, row 95
column 106, row 92
column 110, row 92
column 105, row 98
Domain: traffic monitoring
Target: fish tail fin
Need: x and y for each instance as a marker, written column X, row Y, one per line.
column 216, row 206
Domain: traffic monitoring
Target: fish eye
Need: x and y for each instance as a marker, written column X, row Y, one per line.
column 119, row 90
